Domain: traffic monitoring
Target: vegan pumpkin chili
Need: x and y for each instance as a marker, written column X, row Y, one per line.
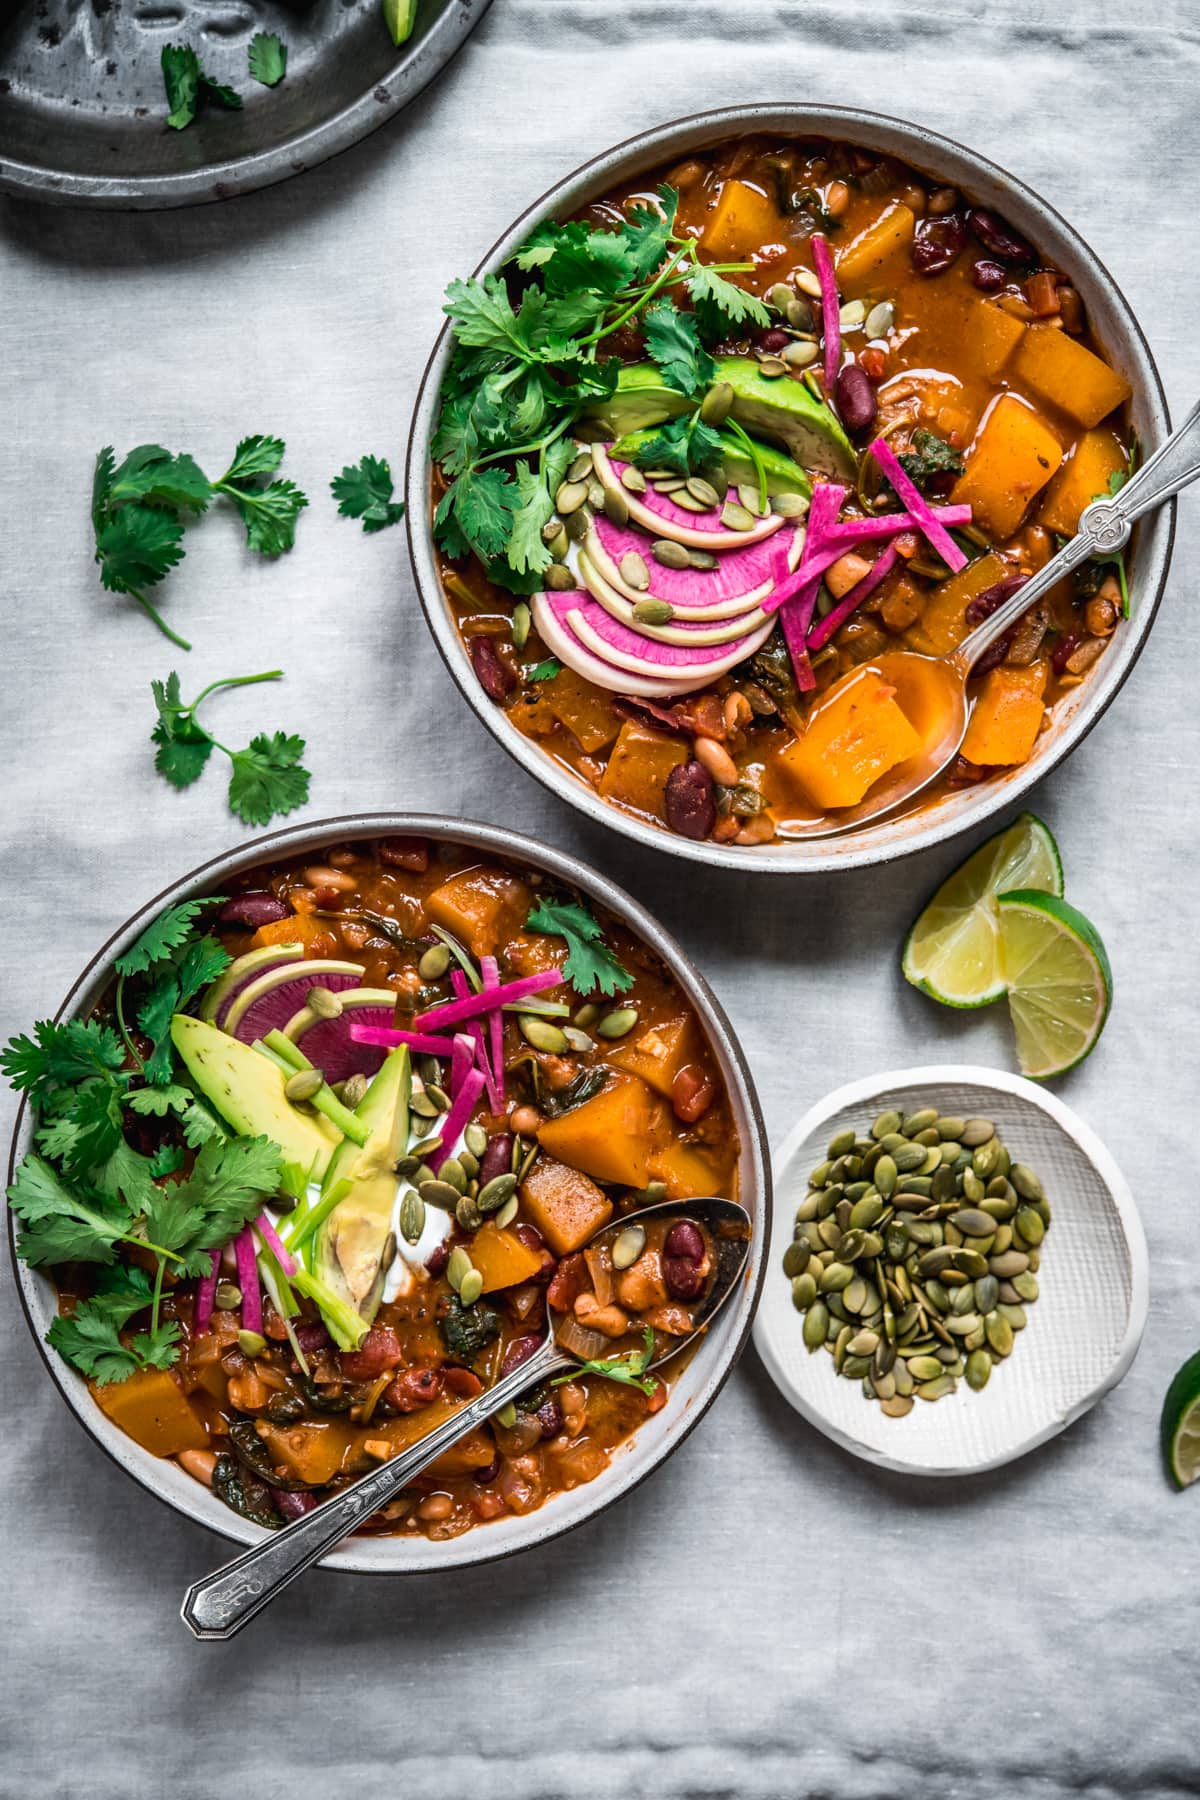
column 745, row 426
column 332, row 1145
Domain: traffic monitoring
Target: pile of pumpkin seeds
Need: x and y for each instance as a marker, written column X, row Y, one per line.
column 915, row 1253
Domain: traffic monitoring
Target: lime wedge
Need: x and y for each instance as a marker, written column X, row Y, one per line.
column 1181, row 1424
column 400, row 16
column 953, row 950
column 1059, row 981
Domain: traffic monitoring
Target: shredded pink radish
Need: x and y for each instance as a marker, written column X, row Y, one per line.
column 247, row 1264
column 455, row 1122
column 849, row 603
column 455, row 1011
column 275, row 1244
column 206, row 1294
column 388, row 1036
column 466, row 1057
column 793, row 619
column 887, row 524
column 918, row 506
column 831, row 320
column 473, row 1034
column 490, row 971
column 796, row 596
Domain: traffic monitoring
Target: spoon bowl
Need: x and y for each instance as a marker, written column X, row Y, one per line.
column 220, row 1604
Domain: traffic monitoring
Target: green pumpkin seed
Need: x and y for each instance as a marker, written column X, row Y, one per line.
column 789, row 506
column 495, row 1193
column 985, row 1159
column 324, row 1004
column 804, row 1292
column 976, row 1132
column 1026, row 1286
column 716, row 404
column 1029, row 1224
column 865, row 1212
column 842, row 1144
column 458, row 1267
column 897, row 1406
column 987, row 1292
column 653, row 612
column 570, row 497
column 423, row 1107
column 453, row 1172
column 304, row 1084
column 629, row 1244
column 617, row 1024
column 468, row 1214
column 615, row 507
column 886, row 1175
column 944, row 1185
column 854, row 1296
column 885, row 1125
column 864, row 1343
column 476, row 1139
column 999, row 1333
column 973, row 1223
column 950, row 1129
column 1008, row 1265
column 507, row 1213
column 472, row 1287
column 936, row 1390
column 734, row 516
column 922, row 1120
column 816, row 1324
column 438, row 1097
column 670, row 554
column 835, row 1277
column 412, row 1217
column 439, row 1194
column 796, row 1257
column 819, row 1176
column 634, row 571
column 807, row 1208
column 841, row 1345
column 542, row 1034
column 228, row 1296
column 703, row 491
column 923, row 1368
column 908, row 1158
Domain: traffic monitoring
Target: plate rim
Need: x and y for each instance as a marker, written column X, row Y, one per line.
column 865, row 1088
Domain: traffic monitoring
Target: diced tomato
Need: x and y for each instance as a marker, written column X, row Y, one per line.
column 379, row 1350
column 462, row 1383
column 571, row 1279
column 414, row 1389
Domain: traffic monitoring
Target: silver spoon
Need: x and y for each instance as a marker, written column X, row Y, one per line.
column 220, row 1604
column 935, row 687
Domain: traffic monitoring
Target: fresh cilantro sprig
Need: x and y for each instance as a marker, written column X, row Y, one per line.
column 187, row 84
column 363, row 491
column 267, row 778
column 629, row 1369
column 528, row 360
column 590, row 966
column 266, row 57
column 141, row 507
column 89, row 1337
column 686, row 445
column 545, row 670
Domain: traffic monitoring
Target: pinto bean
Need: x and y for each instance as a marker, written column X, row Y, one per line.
column 253, row 910
column 689, row 804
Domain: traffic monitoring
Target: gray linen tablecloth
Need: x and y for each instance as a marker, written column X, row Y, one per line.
column 766, row 1616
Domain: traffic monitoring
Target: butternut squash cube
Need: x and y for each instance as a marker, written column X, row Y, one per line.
column 658, row 1055
column 563, row 1203
column 852, row 738
column 637, row 770
column 1014, row 455
column 1066, row 373
column 943, row 623
column 892, row 231
column 693, row 1172
column 501, row 1258
column 152, row 1409
column 1007, row 717
column 743, row 220
column 994, row 334
column 1082, row 479
column 611, row 1135
column 472, row 903
column 585, row 711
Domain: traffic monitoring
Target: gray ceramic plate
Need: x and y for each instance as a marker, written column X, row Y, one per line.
column 82, row 107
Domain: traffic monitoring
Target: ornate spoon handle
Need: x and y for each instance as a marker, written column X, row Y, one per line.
column 220, row 1604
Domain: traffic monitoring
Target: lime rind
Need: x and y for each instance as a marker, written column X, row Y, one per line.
column 1059, row 981
column 1181, row 1424
column 953, row 951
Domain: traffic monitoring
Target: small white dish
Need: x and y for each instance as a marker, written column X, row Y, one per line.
column 1083, row 1330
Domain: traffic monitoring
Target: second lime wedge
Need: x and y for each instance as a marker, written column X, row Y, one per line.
column 1058, row 978
column 953, row 951
column 1181, row 1424
column 400, row 16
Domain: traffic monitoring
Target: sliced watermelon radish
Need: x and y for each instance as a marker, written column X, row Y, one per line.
column 267, row 1003
column 684, row 628
column 328, row 1043
column 741, row 579
column 659, row 514
column 244, row 969
column 588, row 624
column 562, row 643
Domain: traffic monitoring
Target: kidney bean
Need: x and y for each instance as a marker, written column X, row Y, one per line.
column 405, row 853
column 684, row 1239
column 570, row 1280
column 990, row 599
column 988, row 275
column 689, row 805
column 312, row 1337
column 519, row 1351
column 692, row 1093
column 533, row 1240
column 998, row 237
column 292, row 1506
column 437, row 1259
column 550, row 1417
column 379, row 1350
column 494, row 677
column 488, row 1473
column 1064, row 651
column 413, row 1390
column 937, row 243
column 497, row 1158
column 856, row 400
column 253, row 910
column 462, row 1382
column 772, row 340
column 682, row 1276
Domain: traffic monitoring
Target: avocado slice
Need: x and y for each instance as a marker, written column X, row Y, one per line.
column 785, row 410
column 348, row 1252
column 783, row 475
column 247, row 1090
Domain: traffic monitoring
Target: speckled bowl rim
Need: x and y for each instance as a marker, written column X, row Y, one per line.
column 699, row 1383
column 1118, row 329
column 862, row 1093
